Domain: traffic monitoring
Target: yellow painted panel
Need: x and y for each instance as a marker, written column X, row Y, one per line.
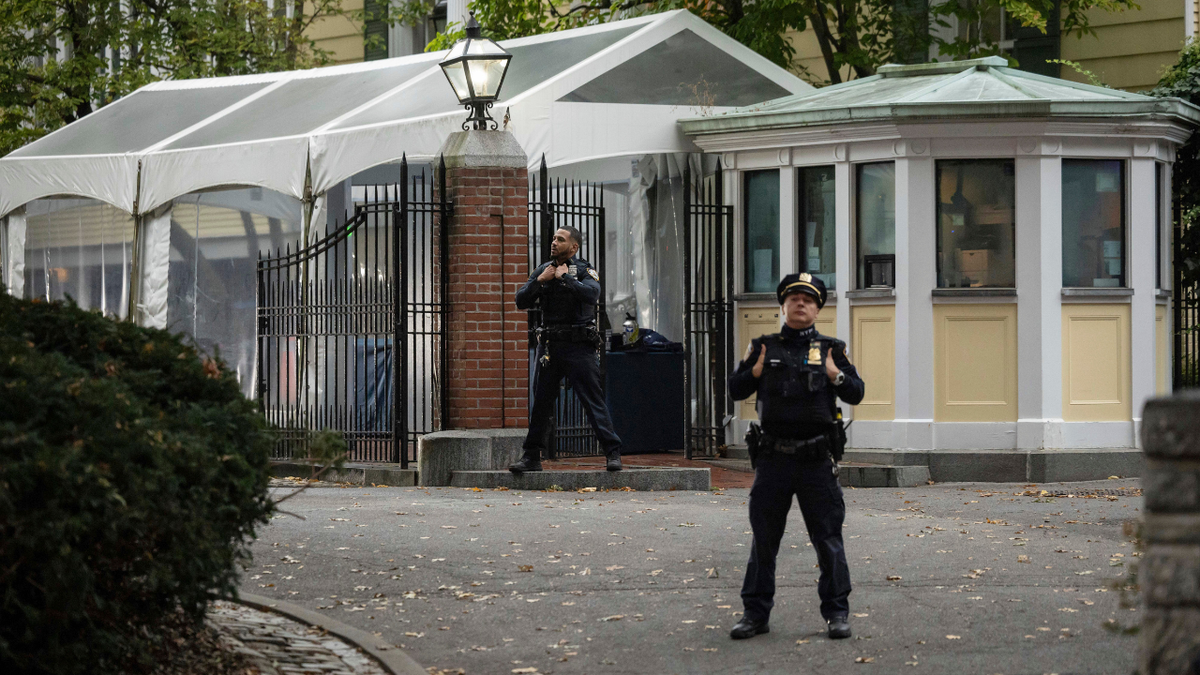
column 873, row 348
column 340, row 35
column 751, row 323
column 1151, row 10
column 1162, row 372
column 975, row 363
column 1096, row 363
column 1131, row 72
column 756, row 321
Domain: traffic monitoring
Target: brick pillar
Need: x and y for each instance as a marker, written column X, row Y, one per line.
column 487, row 186
column 1169, row 574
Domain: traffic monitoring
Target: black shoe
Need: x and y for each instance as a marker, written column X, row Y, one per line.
column 614, row 461
column 839, row 627
column 526, row 463
column 748, row 628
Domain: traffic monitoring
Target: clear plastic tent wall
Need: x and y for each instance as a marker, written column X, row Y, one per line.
column 157, row 205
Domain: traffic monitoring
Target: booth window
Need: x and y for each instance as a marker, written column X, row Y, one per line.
column 762, row 231
column 876, row 211
column 976, row 224
column 817, row 227
column 1093, row 222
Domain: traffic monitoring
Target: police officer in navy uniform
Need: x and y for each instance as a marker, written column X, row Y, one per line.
column 797, row 374
column 567, row 288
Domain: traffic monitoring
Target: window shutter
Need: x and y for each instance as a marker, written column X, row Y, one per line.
column 375, row 30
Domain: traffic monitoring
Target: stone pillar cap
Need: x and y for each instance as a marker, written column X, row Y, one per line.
column 480, row 149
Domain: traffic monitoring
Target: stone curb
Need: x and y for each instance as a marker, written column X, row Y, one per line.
column 359, row 474
column 394, row 660
column 642, row 479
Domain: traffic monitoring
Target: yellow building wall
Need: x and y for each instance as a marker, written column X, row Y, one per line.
column 1130, row 49
column 1162, row 364
column 753, row 322
column 975, row 363
column 873, row 352
column 341, row 35
column 1096, row 357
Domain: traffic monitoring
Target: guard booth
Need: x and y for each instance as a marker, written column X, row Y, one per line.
column 997, row 245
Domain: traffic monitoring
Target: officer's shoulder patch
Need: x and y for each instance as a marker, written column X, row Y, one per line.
column 594, row 274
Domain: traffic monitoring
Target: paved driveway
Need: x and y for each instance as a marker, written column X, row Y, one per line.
column 949, row 578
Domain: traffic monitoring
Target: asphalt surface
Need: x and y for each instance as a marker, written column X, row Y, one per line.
column 949, row 578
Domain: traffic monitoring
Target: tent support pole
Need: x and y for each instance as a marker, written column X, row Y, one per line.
column 135, row 262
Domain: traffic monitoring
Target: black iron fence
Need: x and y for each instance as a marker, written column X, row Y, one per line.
column 708, row 293
column 1186, row 300
column 580, row 204
column 351, row 327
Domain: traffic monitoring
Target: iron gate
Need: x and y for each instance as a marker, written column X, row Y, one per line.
column 343, row 321
column 553, row 204
column 1186, row 266
column 708, row 323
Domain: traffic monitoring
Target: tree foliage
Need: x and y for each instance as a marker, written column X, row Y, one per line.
column 854, row 36
column 62, row 59
column 1182, row 80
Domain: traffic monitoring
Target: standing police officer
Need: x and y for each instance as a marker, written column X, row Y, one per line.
column 568, row 346
column 797, row 374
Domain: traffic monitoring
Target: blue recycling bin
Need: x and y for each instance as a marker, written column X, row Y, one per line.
column 646, row 398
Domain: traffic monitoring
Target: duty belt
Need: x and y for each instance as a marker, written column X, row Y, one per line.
column 811, row 446
column 568, row 333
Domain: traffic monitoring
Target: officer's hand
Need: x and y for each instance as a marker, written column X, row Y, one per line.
column 560, row 271
column 831, row 368
column 758, row 365
column 547, row 274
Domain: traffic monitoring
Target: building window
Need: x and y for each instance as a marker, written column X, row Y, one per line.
column 976, row 224
column 876, row 226
column 762, row 231
column 1093, row 222
column 817, row 232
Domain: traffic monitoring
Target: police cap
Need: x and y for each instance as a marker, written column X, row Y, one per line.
column 801, row 283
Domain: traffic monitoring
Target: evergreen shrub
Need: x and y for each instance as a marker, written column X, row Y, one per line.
column 132, row 473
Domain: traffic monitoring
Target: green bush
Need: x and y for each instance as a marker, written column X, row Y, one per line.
column 132, row 473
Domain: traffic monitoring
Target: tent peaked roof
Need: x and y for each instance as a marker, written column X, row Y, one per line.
column 984, row 87
column 600, row 91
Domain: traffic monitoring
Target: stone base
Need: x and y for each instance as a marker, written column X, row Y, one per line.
column 1010, row 466
column 882, row 476
column 639, row 479
column 442, row 453
column 390, row 475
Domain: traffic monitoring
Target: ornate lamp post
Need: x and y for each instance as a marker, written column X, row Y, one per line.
column 475, row 68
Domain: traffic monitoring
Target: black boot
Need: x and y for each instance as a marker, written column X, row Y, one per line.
column 528, row 462
column 748, row 628
column 614, row 461
column 839, row 627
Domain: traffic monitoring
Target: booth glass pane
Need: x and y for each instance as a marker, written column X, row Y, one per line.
column 211, row 282
column 1093, row 222
column 876, row 223
column 976, row 223
column 762, row 231
column 79, row 248
column 817, row 231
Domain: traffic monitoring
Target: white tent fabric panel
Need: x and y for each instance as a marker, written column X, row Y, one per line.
column 14, row 266
column 171, row 138
column 155, row 263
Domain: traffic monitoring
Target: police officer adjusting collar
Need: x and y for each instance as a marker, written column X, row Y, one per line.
column 564, row 260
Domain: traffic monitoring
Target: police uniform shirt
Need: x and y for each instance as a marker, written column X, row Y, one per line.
column 566, row 301
column 795, row 396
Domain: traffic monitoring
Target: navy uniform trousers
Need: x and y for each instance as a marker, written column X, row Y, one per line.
column 578, row 362
column 777, row 479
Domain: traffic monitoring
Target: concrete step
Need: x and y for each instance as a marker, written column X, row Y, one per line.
column 737, row 452
column 732, row 464
column 640, row 479
column 359, row 474
column 863, row 475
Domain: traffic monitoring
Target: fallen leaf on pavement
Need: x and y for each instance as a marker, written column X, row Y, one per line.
column 864, row 659
column 614, row 617
column 894, row 577
column 953, row 637
column 862, row 616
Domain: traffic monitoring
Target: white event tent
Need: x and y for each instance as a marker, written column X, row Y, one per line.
column 159, row 202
